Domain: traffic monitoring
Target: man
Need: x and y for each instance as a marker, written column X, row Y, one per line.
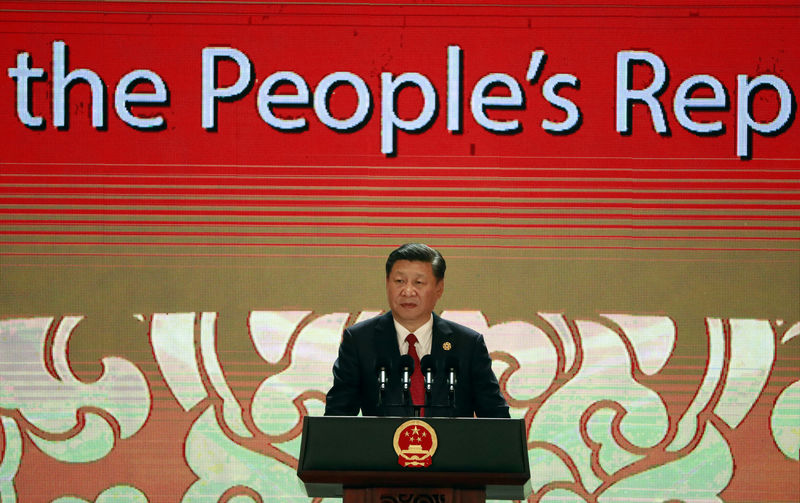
column 414, row 282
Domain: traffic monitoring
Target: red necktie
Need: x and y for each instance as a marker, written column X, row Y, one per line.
column 417, row 382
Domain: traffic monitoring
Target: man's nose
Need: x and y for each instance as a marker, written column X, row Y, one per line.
column 408, row 290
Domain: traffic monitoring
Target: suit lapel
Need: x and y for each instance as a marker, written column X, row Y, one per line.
column 442, row 345
column 442, row 335
column 386, row 348
column 386, row 338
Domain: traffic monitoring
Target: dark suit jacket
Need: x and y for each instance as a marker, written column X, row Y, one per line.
column 355, row 385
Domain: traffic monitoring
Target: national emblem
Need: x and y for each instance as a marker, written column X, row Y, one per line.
column 415, row 442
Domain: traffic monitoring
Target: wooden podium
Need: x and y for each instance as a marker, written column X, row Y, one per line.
column 414, row 460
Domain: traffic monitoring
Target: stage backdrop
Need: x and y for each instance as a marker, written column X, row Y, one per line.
column 197, row 197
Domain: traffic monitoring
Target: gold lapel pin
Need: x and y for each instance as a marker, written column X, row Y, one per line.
column 447, row 346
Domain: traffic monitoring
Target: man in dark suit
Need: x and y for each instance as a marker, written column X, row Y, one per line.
column 414, row 283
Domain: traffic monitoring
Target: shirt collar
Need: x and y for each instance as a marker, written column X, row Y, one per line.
column 424, row 337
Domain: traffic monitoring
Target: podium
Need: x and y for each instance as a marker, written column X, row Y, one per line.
column 414, row 460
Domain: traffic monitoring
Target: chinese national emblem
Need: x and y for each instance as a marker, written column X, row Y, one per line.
column 415, row 442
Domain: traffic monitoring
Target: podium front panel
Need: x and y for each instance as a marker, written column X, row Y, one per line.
column 363, row 452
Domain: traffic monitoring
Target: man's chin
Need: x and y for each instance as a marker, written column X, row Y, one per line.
column 407, row 314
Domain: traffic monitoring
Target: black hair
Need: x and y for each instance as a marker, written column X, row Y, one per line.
column 419, row 252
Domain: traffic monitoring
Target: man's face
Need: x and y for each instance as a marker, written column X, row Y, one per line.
column 412, row 290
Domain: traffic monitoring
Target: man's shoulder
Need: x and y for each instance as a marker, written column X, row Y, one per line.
column 369, row 325
column 455, row 328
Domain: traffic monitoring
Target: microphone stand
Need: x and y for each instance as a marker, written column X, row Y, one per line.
column 451, row 384
column 407, row 403
column 407, row 366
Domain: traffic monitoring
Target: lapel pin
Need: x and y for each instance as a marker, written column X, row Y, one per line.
column 447, row 346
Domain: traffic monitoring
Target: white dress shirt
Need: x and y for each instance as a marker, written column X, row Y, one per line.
column 424, row 338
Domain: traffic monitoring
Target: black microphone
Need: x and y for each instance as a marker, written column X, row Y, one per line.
column 407, row 366
column 382, row 368
column 426, row 365
column 451, row 365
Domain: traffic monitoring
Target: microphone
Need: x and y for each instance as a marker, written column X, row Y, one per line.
column 407, row 366
column 451, row 364
column 382, row 368
column 426, row 365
